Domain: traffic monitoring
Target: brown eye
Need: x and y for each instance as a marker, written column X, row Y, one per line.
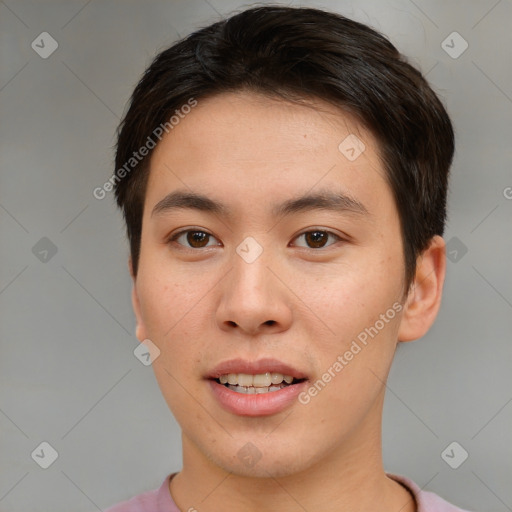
column 194, row 239
column 197, row 238
column 317, row 239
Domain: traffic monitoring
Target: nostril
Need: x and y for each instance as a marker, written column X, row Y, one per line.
column 270, row 322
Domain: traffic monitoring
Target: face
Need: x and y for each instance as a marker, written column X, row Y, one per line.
column 269, row 254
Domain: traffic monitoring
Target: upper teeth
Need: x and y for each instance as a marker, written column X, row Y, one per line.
column 261, row 380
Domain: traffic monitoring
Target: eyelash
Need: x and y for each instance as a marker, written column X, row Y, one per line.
column 173, row 238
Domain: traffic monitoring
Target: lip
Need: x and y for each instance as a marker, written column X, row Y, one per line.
column 255, row 367
column 263, row 404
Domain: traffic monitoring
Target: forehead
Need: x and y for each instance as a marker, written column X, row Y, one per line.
column 310, row 124
column 260, row 146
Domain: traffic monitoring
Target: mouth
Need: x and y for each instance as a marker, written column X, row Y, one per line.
column 256, row 388
column 260, row 383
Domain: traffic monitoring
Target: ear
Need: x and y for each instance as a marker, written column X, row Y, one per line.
column 424, row 296
column 140, row 329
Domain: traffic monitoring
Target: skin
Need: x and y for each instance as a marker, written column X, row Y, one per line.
column 300, row 304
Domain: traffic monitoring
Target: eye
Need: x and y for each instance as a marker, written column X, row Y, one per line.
column 317, row 239
column 193, row 239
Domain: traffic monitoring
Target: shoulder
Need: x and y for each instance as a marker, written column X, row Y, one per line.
column 141, row 503
column 155, row 500
column 426, row 501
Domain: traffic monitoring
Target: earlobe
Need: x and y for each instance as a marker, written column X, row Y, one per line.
column 424, row 297
column 140, row 330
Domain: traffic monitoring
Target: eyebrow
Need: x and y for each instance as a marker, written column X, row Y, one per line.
column 321, row 200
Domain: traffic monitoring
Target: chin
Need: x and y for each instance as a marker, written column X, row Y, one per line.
column 265, row 468
column 264, row 459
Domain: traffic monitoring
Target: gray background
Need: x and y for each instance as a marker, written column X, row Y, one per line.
column 68, row 373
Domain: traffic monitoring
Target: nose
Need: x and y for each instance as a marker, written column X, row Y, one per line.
column 253, row 300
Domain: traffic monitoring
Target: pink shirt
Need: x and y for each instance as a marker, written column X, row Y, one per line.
column 160, row 500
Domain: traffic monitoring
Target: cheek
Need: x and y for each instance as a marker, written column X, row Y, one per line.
column 174, row 312
column 354, row 336
column 168, row 293
column 350, row 297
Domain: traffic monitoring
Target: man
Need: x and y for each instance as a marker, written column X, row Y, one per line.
column 283, row 178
